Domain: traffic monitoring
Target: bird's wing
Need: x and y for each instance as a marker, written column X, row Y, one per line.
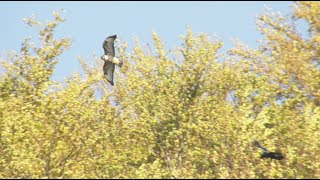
column 108, row 45
column 256, row 143
column 108, row 70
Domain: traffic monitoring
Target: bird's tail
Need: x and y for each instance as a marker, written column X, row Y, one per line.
column 117, row 61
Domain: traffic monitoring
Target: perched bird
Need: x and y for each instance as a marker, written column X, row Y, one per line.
column 109, row 58
column 267, row 154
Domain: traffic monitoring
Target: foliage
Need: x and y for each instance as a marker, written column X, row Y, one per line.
column 191, row 116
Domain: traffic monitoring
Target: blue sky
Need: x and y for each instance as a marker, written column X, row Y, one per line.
column 89, row 23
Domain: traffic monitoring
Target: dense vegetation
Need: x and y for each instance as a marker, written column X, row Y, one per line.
column 193, row 114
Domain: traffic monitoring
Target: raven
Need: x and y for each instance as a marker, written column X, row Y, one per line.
column 109, row 58
column 267, row 154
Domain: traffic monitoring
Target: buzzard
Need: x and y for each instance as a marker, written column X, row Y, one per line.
column 109, row 58
column 267, row 154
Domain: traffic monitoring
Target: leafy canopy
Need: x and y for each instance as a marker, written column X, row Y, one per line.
column 191, row 115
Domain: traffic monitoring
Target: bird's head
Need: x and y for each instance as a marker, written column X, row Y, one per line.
column 104, row 57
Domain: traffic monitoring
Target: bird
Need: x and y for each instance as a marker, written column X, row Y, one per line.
column 109, row 58
column 268, row 154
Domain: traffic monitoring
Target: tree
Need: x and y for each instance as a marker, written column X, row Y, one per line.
column 191, row 116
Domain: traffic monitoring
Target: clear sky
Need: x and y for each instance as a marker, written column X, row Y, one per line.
column 89, row 23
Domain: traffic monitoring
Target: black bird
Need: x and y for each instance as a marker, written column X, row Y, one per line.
column 267, row 154
column 109, row 58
